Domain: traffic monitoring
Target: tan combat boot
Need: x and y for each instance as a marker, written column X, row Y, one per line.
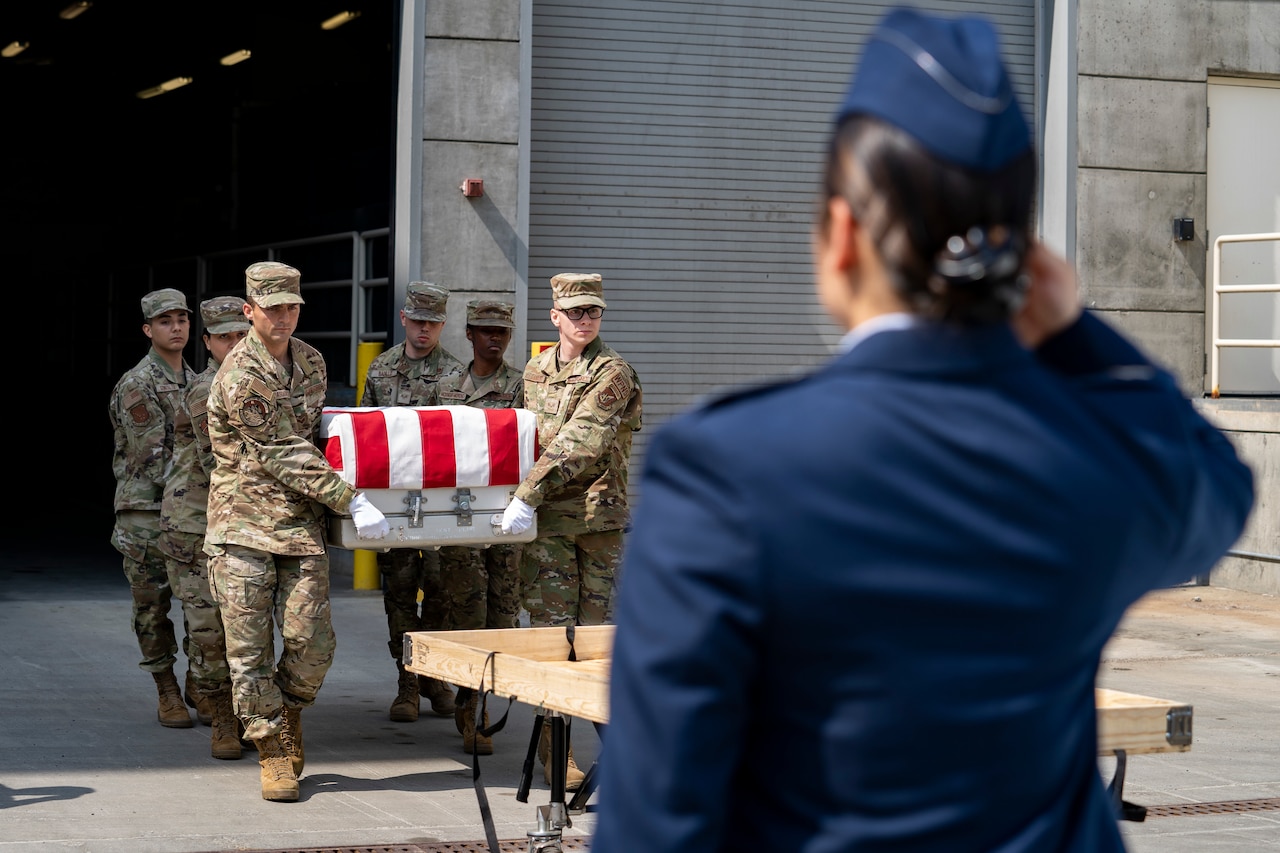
column 573, row 777
column 196, row 699
column 291, row 738
column 171, row 712
column 439, row 694
column 224, row 739
column 279, row 782
column 472, row 740
column 405, row 707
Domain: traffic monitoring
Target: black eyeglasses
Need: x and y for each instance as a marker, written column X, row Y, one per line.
column 594, row 312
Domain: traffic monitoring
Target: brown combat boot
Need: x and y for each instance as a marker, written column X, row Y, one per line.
column 573, row 777
column 291, row 738
column 224, row 739
column 196, row 699
column 279, row 782
column 171, row 712
column 472, row 740
column 439, row 694
column 405, row 707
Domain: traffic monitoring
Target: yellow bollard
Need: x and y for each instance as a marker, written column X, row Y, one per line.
column 365, row 572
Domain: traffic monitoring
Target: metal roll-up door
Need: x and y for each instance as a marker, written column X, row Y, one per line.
column 676, row 149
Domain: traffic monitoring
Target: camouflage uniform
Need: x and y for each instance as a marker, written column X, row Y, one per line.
column 394, row 379
column 267, row 498
column 144, row 406
column 183, row 518
column 587, row 410
column 479, row 587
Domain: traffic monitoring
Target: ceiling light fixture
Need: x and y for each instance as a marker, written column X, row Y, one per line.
column 75, row 10
column 233, row 58
column 14, row 48
column 166, row 86
column 338, row 20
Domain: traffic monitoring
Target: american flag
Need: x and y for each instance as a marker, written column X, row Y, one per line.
column 426, row 447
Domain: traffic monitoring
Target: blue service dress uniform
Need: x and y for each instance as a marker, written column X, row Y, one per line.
column 863, row 610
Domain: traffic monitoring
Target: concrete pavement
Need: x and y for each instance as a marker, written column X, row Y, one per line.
column 85, row 767
column 1218, row 650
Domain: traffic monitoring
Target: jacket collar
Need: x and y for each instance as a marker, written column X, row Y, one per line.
column 578, row 366
column 937, row 348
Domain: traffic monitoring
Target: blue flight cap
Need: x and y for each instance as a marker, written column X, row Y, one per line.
column 943, row 82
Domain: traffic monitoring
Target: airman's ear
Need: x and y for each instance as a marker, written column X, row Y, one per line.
column 842, row 233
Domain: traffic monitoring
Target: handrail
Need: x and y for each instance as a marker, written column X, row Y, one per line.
column 1218, row 342
column 360, row 327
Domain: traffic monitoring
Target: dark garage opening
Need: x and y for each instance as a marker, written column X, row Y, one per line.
column 107, row 195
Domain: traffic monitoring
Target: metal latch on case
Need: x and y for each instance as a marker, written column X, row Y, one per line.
column 414, row 501
column 463, row 499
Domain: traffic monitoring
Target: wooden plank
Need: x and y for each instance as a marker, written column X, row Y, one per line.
column 1135, row 723
column 529, row 665
column 532, row 665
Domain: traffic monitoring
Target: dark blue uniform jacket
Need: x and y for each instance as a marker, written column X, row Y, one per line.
column 864, row 610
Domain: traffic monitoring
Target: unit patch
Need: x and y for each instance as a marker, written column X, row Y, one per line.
column 140, row 414
column 254, row 411
column 617, row 389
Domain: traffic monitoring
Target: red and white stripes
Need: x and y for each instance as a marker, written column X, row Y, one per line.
column 427, row 447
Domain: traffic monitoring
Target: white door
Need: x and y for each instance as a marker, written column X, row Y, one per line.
column 1244, row 198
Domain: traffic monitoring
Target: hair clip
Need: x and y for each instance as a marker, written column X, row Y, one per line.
column 989, row 255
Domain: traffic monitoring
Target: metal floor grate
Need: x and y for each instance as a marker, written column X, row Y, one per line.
column 522, row 846
column 1230, row 807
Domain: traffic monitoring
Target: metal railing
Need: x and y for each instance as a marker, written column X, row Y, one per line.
column 359, row 283
column 1217, row 342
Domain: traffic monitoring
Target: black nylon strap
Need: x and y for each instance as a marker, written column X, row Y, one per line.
column 568, row 635
column 486, row 813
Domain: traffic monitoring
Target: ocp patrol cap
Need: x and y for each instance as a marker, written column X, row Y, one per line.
column 271, row 283
column 223, row 314
column 575, row 289
column 941, row 80
column 491, row 312
column 165, row 299
column 426, row 301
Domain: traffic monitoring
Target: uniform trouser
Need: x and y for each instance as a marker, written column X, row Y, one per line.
column 136, row 536
column 479, row 588
column 206, row 643
column 404, row 572
column 570, row 578
column 252, row 587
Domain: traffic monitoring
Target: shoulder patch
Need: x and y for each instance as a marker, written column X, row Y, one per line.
column 619, row 388
column 254, row 411
column 131, row 397
column 140, row 414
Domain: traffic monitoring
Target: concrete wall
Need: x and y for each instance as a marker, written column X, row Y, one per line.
column 471, row 129
column 1141, row 162
column 1253, row 425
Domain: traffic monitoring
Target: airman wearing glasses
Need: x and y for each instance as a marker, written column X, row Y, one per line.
column 588, row 404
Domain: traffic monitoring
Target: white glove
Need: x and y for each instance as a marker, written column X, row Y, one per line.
column 369, row 520
column 518, row 517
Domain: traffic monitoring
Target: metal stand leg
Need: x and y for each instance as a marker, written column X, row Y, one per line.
column 1124, row 810
column 1116, row 788
column 578, row 804
column 552, row 818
